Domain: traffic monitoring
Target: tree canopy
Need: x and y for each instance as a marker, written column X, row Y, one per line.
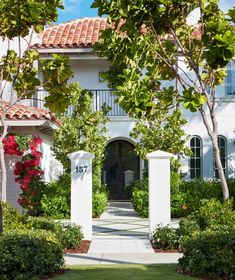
column 19, row 19
column 150, row 41
column 83, row 130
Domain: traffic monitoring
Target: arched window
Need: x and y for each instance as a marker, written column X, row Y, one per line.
column 222, row 143
column 196, row 157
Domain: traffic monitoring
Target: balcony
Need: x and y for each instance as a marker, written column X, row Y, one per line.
column 100, row 96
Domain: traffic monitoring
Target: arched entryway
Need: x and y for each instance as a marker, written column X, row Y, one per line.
column 121, row 167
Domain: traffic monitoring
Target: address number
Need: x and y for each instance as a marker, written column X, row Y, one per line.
column 81, row 169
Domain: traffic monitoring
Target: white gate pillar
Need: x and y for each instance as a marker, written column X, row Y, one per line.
column 159, row 189
column 81, row 191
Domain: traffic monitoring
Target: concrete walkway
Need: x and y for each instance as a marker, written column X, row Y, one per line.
column 120, row 236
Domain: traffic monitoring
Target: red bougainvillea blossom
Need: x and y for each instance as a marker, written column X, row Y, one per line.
column 27, row 170
column 11, row 146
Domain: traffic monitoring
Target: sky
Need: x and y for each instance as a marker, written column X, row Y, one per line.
column 74, row 9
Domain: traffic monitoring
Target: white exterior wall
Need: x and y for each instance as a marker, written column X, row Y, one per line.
column 52, row 168
column 13, row 189
column 14, row 45
column 86, row 72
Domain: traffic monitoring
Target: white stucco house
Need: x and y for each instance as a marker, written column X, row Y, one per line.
column 75, row 40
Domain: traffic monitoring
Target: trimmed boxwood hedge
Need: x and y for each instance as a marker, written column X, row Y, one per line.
column 210, row 254
column 28, row 253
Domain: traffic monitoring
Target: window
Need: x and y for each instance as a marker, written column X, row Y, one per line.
column 196, row 158
column 230, row 79
column 222, row 142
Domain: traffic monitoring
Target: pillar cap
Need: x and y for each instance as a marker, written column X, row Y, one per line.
column 159, row 155
column 80, row 155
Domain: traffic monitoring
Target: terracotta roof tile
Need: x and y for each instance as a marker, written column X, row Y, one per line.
column 82, row 33
column 77, row 33
column 22, row 112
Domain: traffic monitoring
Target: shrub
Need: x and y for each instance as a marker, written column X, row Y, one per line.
column 12, row 219
column 187, row 230
column 178, row 198
column 166, row 238
column 140, row 197
column 56, row 207
column 99, row 203
column 196, row 190
column 71, row 237
column 214, row 215
column 25, row 254
column 231, row 185
column 211, row 254
column 55, row 202
column 44, row 223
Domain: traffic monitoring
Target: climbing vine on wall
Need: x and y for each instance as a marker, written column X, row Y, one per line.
column 27, row 169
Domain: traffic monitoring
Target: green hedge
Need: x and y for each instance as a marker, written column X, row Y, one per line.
column 139, row 197
column 186, row 196
column 212, row 216
column 25, row 254
column 99, row 203
column 69, row 236
column 211, row 254
column 55, row 201
column 12, row 219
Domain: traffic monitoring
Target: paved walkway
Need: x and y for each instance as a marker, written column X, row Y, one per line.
column 120, row 236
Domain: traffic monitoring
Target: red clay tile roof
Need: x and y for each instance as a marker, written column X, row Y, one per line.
column 80, row 33
column 73, row 34
column 22, row 112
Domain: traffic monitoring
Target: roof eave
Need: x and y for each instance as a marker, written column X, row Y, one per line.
column 64, row 50
column 46, row 123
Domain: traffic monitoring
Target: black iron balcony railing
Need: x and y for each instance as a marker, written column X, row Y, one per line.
column 101, row 96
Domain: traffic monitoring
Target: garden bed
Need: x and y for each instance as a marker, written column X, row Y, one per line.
column 83, row 248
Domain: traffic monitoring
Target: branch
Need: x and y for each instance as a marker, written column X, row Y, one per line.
column 168, row 61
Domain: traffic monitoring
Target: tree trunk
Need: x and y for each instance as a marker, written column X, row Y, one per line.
column 220, row 169
column 3, row 173
column 216, row 152
column 3, row 191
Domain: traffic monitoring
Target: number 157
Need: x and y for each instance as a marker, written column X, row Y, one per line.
column 81, row 169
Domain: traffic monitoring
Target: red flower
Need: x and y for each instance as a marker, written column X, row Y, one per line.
column 26, row 169
column 184, row 206
column 11, row 147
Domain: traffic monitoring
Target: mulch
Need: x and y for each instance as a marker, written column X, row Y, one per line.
column 165, row 251
column 83, row 248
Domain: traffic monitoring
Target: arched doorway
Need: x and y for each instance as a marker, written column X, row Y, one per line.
column 121, row 167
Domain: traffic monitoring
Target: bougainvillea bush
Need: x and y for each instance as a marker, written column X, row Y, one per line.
column 28, row 173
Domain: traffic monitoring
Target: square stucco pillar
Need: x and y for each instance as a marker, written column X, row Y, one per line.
column 81, row 191
column 159, row 189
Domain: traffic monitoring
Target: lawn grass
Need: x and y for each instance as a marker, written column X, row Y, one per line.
column 123, row 272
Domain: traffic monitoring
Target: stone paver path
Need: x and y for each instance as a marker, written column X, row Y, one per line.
column 120, row 236
column 120, row 230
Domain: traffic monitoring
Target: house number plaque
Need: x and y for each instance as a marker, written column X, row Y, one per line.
column 81, row 168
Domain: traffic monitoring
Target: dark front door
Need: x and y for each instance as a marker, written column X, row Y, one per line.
column 121, row 167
